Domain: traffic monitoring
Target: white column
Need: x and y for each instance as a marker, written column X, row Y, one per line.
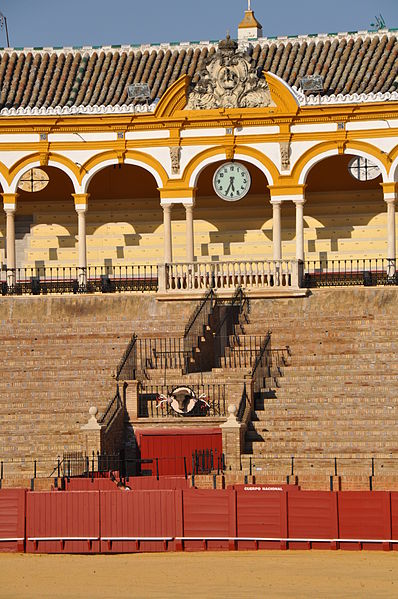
column 81, row 206
column 189, row 232
column 168, row 250
column 391, row 237
column 10, row 207
column 276, row 229
column 82, row 245
column 299, row 202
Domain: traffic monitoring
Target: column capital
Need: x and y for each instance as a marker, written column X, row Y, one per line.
column 177, row 195
column 390, row 188
column 10, row 201
column 81, row 201
column 287, row 193
column 189, row 206
column 276, row 202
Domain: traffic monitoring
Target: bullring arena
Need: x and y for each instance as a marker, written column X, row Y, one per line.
column 198, row 317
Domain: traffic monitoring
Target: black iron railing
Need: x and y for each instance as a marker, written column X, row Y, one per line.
column 112, row 410
column 127, row 367
column 367, row 272
column 162, row 353
column 199, row 320
column 152, row 403
column 262, row 364
column 42, row 280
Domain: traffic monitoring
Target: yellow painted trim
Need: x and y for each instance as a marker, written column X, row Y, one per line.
column 176, row 191
column 36, row 157
column 223, row 152
column 10, row 198
column 175, row 98
column 286, row 190
column 81, row 198
column 341, row 146
column 133, row 155
column 390, row 187
column 281, row 95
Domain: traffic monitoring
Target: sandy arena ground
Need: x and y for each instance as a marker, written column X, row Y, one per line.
column 295, row 574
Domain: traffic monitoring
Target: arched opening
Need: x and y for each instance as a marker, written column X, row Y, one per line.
column 45, row 221
column 123, row 217
column 236, row 230
column 345, row 215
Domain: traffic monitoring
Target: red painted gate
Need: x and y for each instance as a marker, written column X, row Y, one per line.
column 171, row 446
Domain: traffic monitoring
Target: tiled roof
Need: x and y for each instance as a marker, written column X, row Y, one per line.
column 352, row 63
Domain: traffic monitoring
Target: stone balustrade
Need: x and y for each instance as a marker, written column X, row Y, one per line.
column 252, row 275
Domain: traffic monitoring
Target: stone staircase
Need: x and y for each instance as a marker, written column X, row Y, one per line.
column 339, row 395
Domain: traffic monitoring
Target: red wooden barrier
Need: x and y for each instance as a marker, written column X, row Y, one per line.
column 165, row 482
column 261, row 514
column 140, row 520
column 160, row 520
column 63, row 522
column 209, row 514
column 364, row 515
column 312, row 515
column 394, row 518
column 89, row 484
column 12, row 520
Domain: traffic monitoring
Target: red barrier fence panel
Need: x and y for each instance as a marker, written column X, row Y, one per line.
column 261, row 515
column 12, row 520
column 312, row 515
column 90, row 484
column 394, row 518
column 62, row 522
column 364, row 515
column 209, row 514
column 134, row 521
column 165, row 482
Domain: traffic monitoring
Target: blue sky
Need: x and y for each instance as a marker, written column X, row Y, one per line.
column 104, row 22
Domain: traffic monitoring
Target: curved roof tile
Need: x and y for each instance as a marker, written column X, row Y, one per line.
column 40, row 78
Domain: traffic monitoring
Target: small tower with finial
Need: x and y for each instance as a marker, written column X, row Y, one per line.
column 249, row 28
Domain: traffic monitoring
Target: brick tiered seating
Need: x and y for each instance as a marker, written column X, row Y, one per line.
column 52, row 371
column 338, row 397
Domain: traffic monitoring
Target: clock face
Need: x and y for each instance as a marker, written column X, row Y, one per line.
column 231, row 181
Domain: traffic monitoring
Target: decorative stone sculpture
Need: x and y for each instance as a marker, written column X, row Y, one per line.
column 285, row 155
column 228, row 80
column 175, row 157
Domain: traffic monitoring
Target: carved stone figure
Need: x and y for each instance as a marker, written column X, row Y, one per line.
column 175, row 157
column 285, row 155
column 228, row 80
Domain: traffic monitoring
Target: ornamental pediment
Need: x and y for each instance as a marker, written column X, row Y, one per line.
column 228, row 79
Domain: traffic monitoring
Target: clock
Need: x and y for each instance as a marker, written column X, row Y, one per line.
column 231, row 181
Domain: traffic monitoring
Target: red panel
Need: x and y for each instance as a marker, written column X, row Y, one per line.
column 364, row 515
column 394, row 517
column 140, row 514
column 88, row 484
column 164, row 482
column 312, row 514
column 261, row 514
column 264, row 488
column 207, row 514
column 12, row 519
column 170, row 446
column 69, row 514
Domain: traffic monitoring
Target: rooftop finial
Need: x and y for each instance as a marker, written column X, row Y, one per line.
column 249, row 4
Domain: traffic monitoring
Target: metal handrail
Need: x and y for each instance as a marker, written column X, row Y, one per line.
column 112, row 409
column 131, row 346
